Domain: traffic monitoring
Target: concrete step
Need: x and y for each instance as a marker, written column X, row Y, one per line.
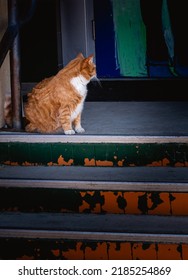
column 117, row 134
column 109, row 227
column 54, row 236
column 94, row 150
column 131, row 190
column 91, row 178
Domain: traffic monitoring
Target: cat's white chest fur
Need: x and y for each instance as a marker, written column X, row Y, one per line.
column 80, row 84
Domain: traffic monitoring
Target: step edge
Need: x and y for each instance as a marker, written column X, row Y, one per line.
column 95, row 185
column 93, row 139
column 94, row 236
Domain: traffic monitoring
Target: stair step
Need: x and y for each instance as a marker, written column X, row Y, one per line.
column 174, row 179
column 54, row 150
column 131, row 190
column 117, row 134
column 109, row 227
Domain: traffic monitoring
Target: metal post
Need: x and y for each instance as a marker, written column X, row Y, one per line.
column 15, row 68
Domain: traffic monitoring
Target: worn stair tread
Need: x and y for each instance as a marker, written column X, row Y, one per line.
column 82, row 173
column 104, row 178
column 91, row 226
column 135, row 118
column 95, row 222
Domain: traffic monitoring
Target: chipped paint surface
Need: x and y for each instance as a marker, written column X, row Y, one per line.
column 89, row 162
column 104, row 163
column 120, row 202
column 61, row 161
column 91, row 154
column 121, row 162
column 43, row 249
column 95, row 201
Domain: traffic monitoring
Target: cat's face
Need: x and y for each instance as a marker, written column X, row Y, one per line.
column 88, row 68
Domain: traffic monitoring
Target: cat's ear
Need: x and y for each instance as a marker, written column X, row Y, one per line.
column 80, row 55
column 89, row 59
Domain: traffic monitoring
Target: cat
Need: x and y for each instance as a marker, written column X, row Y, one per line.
column 56, row 103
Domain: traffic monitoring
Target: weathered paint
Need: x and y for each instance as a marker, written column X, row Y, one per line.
column 119, row 251
column 61, row 161
column 159, row 203
column 89, row 162
column 170, row 251
column 120, row 202
column 179, row 204
column 143, row 251
column 163, row 162
column 104, row 163
column 184, row 252
column 121, row 155
column 47, row 249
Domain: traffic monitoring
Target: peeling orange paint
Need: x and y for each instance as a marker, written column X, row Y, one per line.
column 89, row 162
column 91, row 192
column 155, row 163
column 165, row 162
column 97, row 208
column 25, row 257
column 179, row 205
column 84, row 206
column 56, row 252
column 104, row 163
column 119, row 251
column 61, row 161
column 180, row 164
column 8, row 162
column 101, row 252
column 110, row 202
column 141, row 252
column 161, row 209
column 169, row 252
column 82, row 194
column 120, row 162
column 184, row 251
column 26, row 163
column 77, row 254
column 132, row 202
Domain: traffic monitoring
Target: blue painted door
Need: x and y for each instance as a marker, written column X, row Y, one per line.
column 140, row 39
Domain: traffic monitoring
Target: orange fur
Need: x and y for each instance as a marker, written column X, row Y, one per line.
column 56, row 103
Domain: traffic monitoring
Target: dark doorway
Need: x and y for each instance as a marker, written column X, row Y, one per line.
column 38, row 39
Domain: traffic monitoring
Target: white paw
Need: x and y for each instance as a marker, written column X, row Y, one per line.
column 68, row 132
column 80, row 129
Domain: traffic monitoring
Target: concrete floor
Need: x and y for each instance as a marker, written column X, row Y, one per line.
column 133, row 118
column 136, row 118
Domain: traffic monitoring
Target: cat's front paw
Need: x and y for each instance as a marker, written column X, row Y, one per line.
column 80, row 129
column 69, row 132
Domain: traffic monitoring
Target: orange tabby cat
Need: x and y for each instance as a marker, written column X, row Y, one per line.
column 56, row 103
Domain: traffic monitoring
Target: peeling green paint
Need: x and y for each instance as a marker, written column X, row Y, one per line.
column 120, row 155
